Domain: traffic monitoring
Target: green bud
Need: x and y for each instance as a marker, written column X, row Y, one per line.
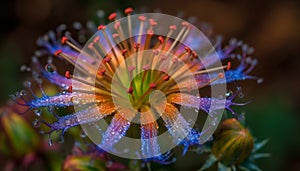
column 233, row 143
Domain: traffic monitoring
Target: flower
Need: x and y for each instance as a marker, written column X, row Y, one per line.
column 233, row 148
column 131, row 69
column 233, row 143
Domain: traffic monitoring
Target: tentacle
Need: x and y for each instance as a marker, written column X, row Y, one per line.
column 117, row 128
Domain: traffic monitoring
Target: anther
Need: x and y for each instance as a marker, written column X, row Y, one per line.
column 58, row 52
column 101, row 27
column 68, row 75
column 96, row 39
column 187, row 49
column 131, row 68
column 161, row 39
column 228, row 65
column 91, row 45
column 128, row 10
column 64, row 40
column 70, row 89
column 142, row 18
column 124, row 51
column 221, row 75
column 152, row 22
column 150, row 32
column 136, row 46
column 115, row 35
column 152, row 85
column 112, row 16
column 166, row 78
column 117, row 25
column 173, row 27
column 130, row 90
column 107, row 59
column 186, row 24
column 101, row 71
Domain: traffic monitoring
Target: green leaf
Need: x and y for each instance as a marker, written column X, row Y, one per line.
column 252, row 166
column 259, row 145
column 260, row 155
column 222, row 167
column 242, row 168
column 209, row 162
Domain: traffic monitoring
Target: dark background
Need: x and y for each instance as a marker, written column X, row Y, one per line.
column 271, row 27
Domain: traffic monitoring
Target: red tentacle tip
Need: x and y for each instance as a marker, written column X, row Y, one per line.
column 142, row 18
column 91, row 45
column 131, row 68
column 130, row 90
column 136, row 46
column 117, row 25
column 161, row 39
column 101, row 27
column 155, row 51
column 101, row 71
column 152, row 85
column 128, row 10
column 96, row 39
column 150, row 32
column 166, row 78
column 187, row 49
column 221, row 75
column 194, row 54
column 70, row 89
column 173, row 27
column 107, row 59
column 185, row 24
column 124, row 51
column 112, row 16
column 58, row 52
column 115, row 35
column 68, row 75
column 152, row 22
column 64, row 40
column 228, row 65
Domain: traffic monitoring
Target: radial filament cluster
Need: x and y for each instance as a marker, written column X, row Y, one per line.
column 139, row 69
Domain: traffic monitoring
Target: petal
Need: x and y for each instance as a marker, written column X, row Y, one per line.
column 117, row 128
column 177, row 126
column 150, row 146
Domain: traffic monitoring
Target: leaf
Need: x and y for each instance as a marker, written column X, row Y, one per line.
column 259, row 145
column 242, row 168
column 222, row 167
column 252, row 166
column 209, row 162
column 260, row 155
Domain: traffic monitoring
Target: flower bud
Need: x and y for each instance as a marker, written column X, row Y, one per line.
column 17, row 137
column 233, row 143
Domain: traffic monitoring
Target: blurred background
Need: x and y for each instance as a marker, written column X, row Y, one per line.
column 271, row 27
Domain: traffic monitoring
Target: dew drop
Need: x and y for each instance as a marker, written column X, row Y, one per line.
column 241, row 95
column 38, row 112
column 12, row 97
column 23, row 68
column 36, row 123
column 50, row 142
column 229, row 93
column 23, row 93
column 214, row 121
column 50, row 68
column 259, row 81
column 82, row 135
